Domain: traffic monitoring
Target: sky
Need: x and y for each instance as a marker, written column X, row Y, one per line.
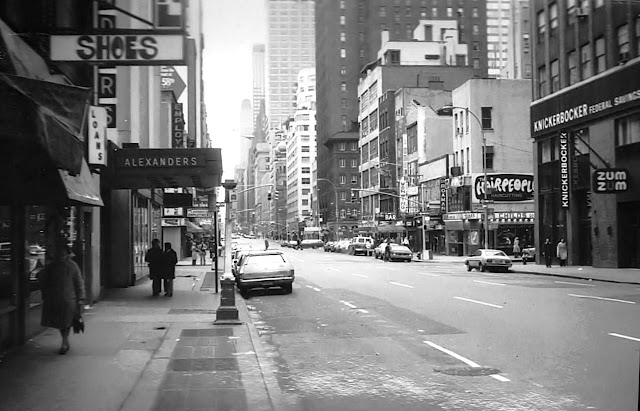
column 231, row 28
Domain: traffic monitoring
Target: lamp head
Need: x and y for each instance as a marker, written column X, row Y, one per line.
column 229, row 184
column 446, row 110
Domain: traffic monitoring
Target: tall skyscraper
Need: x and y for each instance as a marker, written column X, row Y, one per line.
column 246, row 131
column 498, row 24
column 290, row 48
column 348, row 37
column 519, row 42
column 258, row 59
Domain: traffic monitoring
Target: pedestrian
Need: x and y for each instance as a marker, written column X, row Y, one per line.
column 266, row 244
column 561, row 252
column 299, row 244
column 194, row 252
column 547, row 250
column 169, row 261
column 154, row 258
column 405, row 241
column 63, row 294
column 203, row 253
column 387, row 250
column 516, row 247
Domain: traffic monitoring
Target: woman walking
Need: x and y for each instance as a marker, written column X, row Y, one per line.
column 202, row 249
column 62, row 294
column 561, row 251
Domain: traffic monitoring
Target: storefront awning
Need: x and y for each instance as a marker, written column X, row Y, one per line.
column 384, row 229
column 135, row 168
column 193, row 228
column 82, row 187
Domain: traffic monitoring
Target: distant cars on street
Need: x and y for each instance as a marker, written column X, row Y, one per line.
column 361, row 245
column 399, row 252
column 487, row 259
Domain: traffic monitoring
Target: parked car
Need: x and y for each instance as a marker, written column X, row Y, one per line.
column 529, row 253
column 361, row 245
column 342, row 246
column 328, row 246
column 311, row 243
column 264, row 269
column 398, row 252
column 487, row 259
column 235, row 257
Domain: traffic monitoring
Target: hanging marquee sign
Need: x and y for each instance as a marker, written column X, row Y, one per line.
column 610, row 180
column 505, row 187
column 120, row 48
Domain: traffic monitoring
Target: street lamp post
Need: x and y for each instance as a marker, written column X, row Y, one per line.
column 336, row 192
column 447, row 110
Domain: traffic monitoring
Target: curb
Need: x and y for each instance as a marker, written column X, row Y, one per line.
column 576, row 277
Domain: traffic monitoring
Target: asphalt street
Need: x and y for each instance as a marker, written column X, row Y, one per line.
column 362, row 334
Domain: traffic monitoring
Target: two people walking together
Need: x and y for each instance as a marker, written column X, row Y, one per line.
column 162, row 267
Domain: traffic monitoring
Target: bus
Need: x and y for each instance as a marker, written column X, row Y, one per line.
column 311, row 237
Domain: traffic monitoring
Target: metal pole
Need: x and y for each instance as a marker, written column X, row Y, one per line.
column 213, row 208
column 484, row 183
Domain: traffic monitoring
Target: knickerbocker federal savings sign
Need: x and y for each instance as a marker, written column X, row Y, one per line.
column 120, row 48
column 619, row 89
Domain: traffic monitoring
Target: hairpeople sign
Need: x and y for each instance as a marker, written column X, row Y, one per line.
column 505, row 187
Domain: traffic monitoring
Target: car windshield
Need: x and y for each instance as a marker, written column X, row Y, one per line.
column 495, row 253
column 265, row 260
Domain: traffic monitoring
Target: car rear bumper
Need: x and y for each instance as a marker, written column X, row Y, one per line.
column 264, row 282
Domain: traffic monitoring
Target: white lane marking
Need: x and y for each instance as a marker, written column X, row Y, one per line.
column 487, row 282
column 500, row 377
column 360, row 275
column 624, row 336
column 602, row 298
column 348, row 304
column 569, row 282
column 400, row 284
column 315, row 289
column 478, row 302
column 309, row 286
column 332, row 269
column 430, row 275
column 362, row 310
column 454, row 355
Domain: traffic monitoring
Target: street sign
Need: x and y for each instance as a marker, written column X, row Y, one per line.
column 404, row 204
column 198, row 213
column 170, row 80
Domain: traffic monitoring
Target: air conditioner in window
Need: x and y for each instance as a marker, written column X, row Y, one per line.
column 582, row 11
column 456, row 171
column 623, row 57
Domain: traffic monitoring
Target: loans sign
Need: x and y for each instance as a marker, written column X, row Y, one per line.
column 120, row 49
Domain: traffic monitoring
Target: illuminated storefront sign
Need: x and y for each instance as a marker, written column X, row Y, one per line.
column 159, row 160
column 610, row 180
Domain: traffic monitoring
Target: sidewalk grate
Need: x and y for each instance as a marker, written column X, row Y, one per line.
column 209, row 281
column 207, row 332
column 191, row 311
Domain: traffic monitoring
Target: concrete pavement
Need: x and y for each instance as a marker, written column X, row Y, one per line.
column 143, row 353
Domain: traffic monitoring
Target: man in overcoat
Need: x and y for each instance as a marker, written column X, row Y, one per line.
column 154, row 258
column 169, row 261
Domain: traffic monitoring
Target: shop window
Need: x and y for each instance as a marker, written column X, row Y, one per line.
column 601, row 59
column 628, row 130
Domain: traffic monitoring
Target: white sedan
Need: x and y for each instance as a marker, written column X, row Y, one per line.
column 486, row 259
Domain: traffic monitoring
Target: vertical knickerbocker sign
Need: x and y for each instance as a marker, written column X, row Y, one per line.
column 177, row 133
column 97, row 137
column 564, row 170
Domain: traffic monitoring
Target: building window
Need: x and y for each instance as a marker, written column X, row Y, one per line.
column 306, row 181
column 361, row 53
column 343, row 214
column 305, row 149
column 487, row 123
column 628, row 130
column 343, row 4
column 585, row 61
column 343, row 53
column 342, row 146
column 434, row 12
column 468, row 169
column 488, row 157
column 383, row 11
column 354, row 179
column 476, row 46
column 601, row 63
column 553, row 17
column 409, row 30
column 474, row 12
column 542, row 25
column 476, row 63
column 343, row 20
column 572, row 67
column 354, row 163
column 306, row 170
column 462, row 160
column 343, row 103
column 555, row 76
column 571, row 8
column 343, row 36
column 623, row 40
column 343, row 70
column 342, row 163
column 449, row 11
column 344, row 122
column 343, row 179
column 475, row 30
column 638, row 35
column 343, row 86
column 343, row 196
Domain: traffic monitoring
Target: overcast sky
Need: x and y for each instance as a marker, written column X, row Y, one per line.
column 231, row 28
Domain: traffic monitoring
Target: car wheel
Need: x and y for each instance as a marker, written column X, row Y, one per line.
column 468, row 267
column 288, row 289
column 481, row 268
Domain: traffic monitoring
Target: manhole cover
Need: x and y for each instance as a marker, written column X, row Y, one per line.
column 468, row 371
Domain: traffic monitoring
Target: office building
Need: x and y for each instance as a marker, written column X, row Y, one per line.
column 519, row 42
column 585, row 122
column 498, row 27
column 258, row 80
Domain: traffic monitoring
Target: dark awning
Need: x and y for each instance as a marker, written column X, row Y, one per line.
column 82, row 187
column 134, row 168
column 390, row 228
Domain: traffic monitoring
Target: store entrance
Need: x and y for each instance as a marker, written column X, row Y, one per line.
column 629, row 234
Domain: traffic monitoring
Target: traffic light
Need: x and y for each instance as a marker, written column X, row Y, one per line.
column 275, row 195
column 269, row 196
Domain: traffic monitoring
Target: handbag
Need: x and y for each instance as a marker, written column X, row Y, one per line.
column 78, row 322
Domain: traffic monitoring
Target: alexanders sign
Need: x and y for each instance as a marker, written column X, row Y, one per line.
column 120, row 48
column 610, row 180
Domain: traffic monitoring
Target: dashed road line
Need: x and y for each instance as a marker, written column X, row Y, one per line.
column 363, row 311
column 492, row 275
column 479, row 302
column 487, row 282
column 464, row 360
column 360, row 275
column 569, row 282
column 602, row 298
column 332, row 269
column 348, row 304
column 401, row 285
column 624, row 336
column 430, row 275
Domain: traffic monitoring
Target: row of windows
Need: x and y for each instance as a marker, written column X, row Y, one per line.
column 352, row 146
column 552, row 17
column 342, row 162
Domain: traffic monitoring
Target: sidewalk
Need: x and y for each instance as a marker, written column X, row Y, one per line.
column 614, row 275
column 143, row 353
